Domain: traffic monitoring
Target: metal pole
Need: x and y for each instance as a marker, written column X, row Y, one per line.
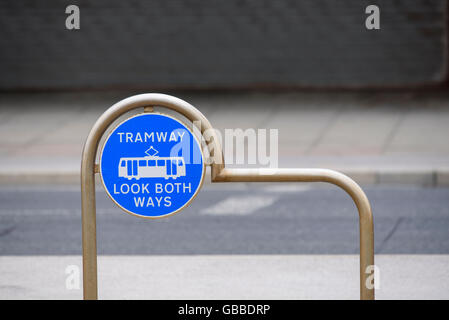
column 219, row 174
column 88, row 169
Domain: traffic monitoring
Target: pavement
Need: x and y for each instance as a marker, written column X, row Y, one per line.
column 387, row 138
column 225, row 277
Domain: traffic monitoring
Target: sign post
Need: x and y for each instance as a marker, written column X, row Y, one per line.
column 162, row 179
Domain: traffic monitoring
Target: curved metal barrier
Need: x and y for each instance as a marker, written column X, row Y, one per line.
column 218, row 174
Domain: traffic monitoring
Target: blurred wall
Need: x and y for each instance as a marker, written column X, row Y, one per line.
column 221, row 44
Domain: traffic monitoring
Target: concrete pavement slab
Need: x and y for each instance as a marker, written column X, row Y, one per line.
column 224, row 277
column 377, row 137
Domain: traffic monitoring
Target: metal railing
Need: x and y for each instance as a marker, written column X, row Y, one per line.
column 218, row 174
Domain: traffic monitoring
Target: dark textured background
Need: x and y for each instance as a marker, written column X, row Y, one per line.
column 221, row 44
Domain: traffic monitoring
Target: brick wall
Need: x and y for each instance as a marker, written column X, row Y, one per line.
column 221, row 44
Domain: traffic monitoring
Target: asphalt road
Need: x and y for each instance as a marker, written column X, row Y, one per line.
column 229, row 219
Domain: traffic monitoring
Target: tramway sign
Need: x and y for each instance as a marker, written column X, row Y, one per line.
column 151, row 165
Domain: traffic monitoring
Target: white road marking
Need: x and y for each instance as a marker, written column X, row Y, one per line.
column 240, row 205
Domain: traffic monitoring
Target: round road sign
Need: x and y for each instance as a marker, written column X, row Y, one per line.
column 151, row 165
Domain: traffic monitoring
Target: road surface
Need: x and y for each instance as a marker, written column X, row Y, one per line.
column 229, row 219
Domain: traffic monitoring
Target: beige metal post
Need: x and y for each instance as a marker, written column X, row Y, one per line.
column 219, row 174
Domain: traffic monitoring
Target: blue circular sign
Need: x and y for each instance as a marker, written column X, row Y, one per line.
column 151, row 165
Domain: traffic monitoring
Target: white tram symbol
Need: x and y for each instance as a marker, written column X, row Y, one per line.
column 151, row 167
